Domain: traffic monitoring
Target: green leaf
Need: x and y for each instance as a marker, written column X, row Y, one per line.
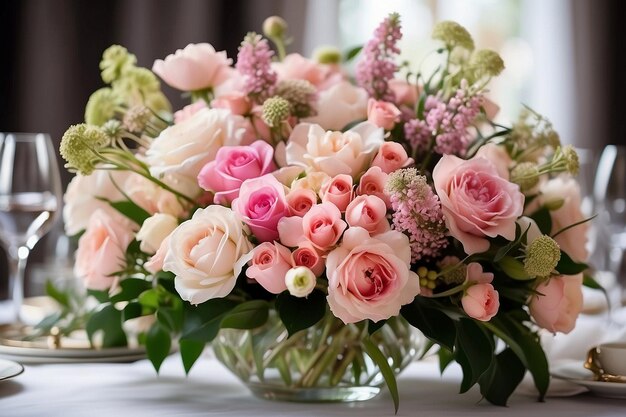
column 190, row 351
column 202, row 322
column 49, row 321
column 477, row 346
column 505, row 374
column 390, row 379
column 149, row 299
column 514, row 268
column 158, row 344
column 109, row 321
column 445, row 358
column 543, row 219
column 57, row 295
column 246, row 315
column 101, row 296
column 130, row 210
column 509, row 246
column 567, row 266
column 131, row 288
column 300, row 313
column 351, row 53
column 424, row 314
column 131, row 311
column 590, row 282
column 373, row 327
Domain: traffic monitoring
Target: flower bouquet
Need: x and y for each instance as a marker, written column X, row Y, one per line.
column 304, row 222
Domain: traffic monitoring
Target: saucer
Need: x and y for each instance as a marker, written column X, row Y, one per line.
column 9, row 369
column 575, row 373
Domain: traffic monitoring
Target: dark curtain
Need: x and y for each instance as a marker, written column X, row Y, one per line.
column 50, row 52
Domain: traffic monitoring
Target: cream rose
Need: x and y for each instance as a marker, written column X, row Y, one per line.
column 154, row 230
column 180, row 151
column 340, row 105
column 334, row 152
column 559, row 305
column 205, row 253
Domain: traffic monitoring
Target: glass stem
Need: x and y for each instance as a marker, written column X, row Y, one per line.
column 17, row 265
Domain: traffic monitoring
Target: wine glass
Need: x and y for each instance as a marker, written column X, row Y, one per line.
column 30, row 197
column 610, row 199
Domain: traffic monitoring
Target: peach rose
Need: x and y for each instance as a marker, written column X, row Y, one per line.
column 269, row 264
column 205, row 253
column 477, row 202
column 406, row 94
column 188, row 111
column 481, row 302
column 300, row 201
column 373, row 183
column 559, row 306
column 332, row 152
column 297, row 67
column 338, row 191
column 307, row 255
column 370, row 278
column 196, row 67
column 102, row 250
column 498, row 156
column 181, row 151
column 382, row 114
column 390, row 157
column 321, row 225
column 339, row 106
column 368, row 212
column 236, row 102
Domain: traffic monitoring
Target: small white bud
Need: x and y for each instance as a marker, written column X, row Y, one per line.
column 300, row 281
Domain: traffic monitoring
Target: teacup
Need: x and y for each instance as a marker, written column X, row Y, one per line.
column 608, row 362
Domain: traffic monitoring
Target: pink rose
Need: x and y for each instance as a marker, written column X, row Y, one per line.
column 559, row 306
column 270, row 263
column 196, row 67
column 188, row 111
column 406, row 93
column 236, row 102
column 321, row 225
column 300, row 201
column 102, row 250
column 391, row 157
column 261, row 204
column 370, row 278
column 373, row 183
column 307, row 255
column 498, row 156
column 155, row 263
column 232, row 166
column 368, row 212
column 297, row 67
column 477, row 202
column 382, row 114
column 338, row 191
column 481, row 302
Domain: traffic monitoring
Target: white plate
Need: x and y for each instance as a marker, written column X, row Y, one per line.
column 9, row 369
column 34, row 360
column 577, row 374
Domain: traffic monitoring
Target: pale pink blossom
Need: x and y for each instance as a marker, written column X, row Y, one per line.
column 340, row 105
column 307, row 255
column 373, row 183
column 322, row 226
column 481, row 302
column 300, row 201
column 297, row 67
column 559, row 304
column 391, row 156
column 405, row 93
column 368, row 212
column 338, row 191
column 268, row 266
column 382, row 113
column 236, row 102
column 188, row 111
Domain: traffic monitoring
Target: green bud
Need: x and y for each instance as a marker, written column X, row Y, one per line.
column 79, row 146
column 101, row 107
column 487, row 63
column 422, row 271
column 542, row 256
column 453, row 34
column 275, row 111
column 526, row 175
column 115, row 61
column 327, row 55
column 513, row 268
column 274, row 27
column 301, row 96
column 555, row 204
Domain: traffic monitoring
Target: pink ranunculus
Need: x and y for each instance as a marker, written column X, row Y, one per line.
column 406, row 93
column 196, row 67
column 368, row 212
column 232, row 166
column 391, row 156
column 102, row 250
column 334, row 152
column 477, row 202
column 321, row 225
column 297, row 67
column 340, row 105
column 269, row 264
column 300, row 201
column 382, row 114
column 373, row 183
column 188, row 111
column 261, row 204
column 370, row 277
column 337, row 190
column 307, row 255
column 498, row 156
column 236, row 102
column 476, row 274
column 481, row 302
column 155, row 263
column 559, row 305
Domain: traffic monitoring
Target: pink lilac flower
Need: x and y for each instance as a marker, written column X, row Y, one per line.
column 417, row 213
column 254, row 63
column 377, row 67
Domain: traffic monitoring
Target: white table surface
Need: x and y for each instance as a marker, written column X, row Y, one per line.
column 134, row 389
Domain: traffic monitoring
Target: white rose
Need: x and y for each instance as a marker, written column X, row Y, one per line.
column 183, row 149
column 333, row 152
column 205, row 253
column 81, row 202
column 340, row 105
column 300, row 281
column 154, row 230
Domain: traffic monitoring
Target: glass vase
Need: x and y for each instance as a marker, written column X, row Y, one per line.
column 324, row 363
